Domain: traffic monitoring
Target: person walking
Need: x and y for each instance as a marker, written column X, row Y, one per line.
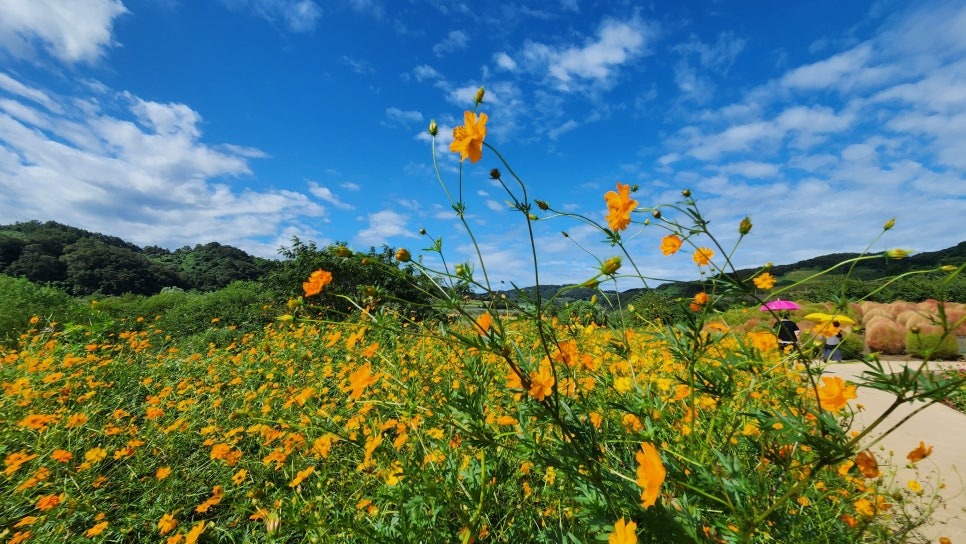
column 832, row 351
column 787, row 332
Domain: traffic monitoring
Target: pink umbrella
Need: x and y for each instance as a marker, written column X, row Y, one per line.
column 778, row 304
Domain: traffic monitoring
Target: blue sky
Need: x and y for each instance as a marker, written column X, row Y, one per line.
column 247, row 122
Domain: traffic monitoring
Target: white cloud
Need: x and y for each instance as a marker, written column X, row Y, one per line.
column 750, row 169
column 504, row 61
column 616, row 44
column 397, row 116
column 456, row 40
column 383, row 226
column 425, row 72
column 69, row 30
column 327, row 195
column 139, row 171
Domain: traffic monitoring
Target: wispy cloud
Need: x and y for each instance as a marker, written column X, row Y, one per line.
column 456, row 40
column 571, row 67
column 69, row 31
column 327, row 195
column 398, row 117
column 294, row 15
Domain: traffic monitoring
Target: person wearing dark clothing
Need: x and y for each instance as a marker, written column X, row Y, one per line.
column 787, row 333
column 832, row 351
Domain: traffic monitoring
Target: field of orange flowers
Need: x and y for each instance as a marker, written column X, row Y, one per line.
column 345, row 432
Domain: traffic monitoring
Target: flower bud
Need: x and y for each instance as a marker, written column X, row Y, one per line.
column 433, row 127
column 565, row 234
column 478, row 99
column 495, row 173
column 294, row 303
column 656, row 214
column 287, row 318
column 889, row 224
column 686, row 193
column 914, row 329
column 947, row 268
column 370, row 291
column 532, row 217
column 745, row 226
column 403, row 255
column 422, row 232
column 343, row 251
column 593, row 299
column 897, row 253
column 543, row 205
column 611, row 266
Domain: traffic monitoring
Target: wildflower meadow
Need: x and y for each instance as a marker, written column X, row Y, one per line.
column 495, row 419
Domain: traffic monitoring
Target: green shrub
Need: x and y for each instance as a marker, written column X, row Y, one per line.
column 241, row 305
column 21, row 300
column 852, row 346
column 932, row 346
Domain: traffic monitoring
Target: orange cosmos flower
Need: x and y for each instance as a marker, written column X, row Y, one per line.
column 702, row 256
column 19, row 536
column 468, row 138
column 317, row 280
column 920, row 453
column 61, row 456
column 167, row 524
column 541, row 383
column 763, row 341
column 96, row 530
column 15, row 460
column 192, row 536
column 162, row 473
column 650, row 474
column 619, row 207
column 483, row 323
column 360, row 380
column 700, row 300
column 301, row 476
column 48, row 501
column 834, row 394
column 670, row 244
column 764, row 281
column 867, row 464
column 624, row 533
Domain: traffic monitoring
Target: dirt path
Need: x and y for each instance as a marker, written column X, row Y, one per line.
column 943, row 472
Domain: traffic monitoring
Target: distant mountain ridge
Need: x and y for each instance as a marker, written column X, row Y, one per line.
column 85, row 262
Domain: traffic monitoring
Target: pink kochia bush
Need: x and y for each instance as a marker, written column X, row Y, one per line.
column 888, row 325
column 885, row 336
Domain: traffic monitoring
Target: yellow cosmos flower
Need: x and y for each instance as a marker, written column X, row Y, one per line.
column 702, row 256
column 834, row 394
column 317, row 281
column 650, row 474
column 625, row 532
column 670, row 244
column 48, row 501
column 483, row 323
column 192, row 536
column 468, row 138
column 619, row 207
column 764, row 281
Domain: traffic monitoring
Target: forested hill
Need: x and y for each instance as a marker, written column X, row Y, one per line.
column 83, row 262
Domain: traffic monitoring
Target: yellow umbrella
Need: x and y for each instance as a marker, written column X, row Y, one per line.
column 822, row 317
